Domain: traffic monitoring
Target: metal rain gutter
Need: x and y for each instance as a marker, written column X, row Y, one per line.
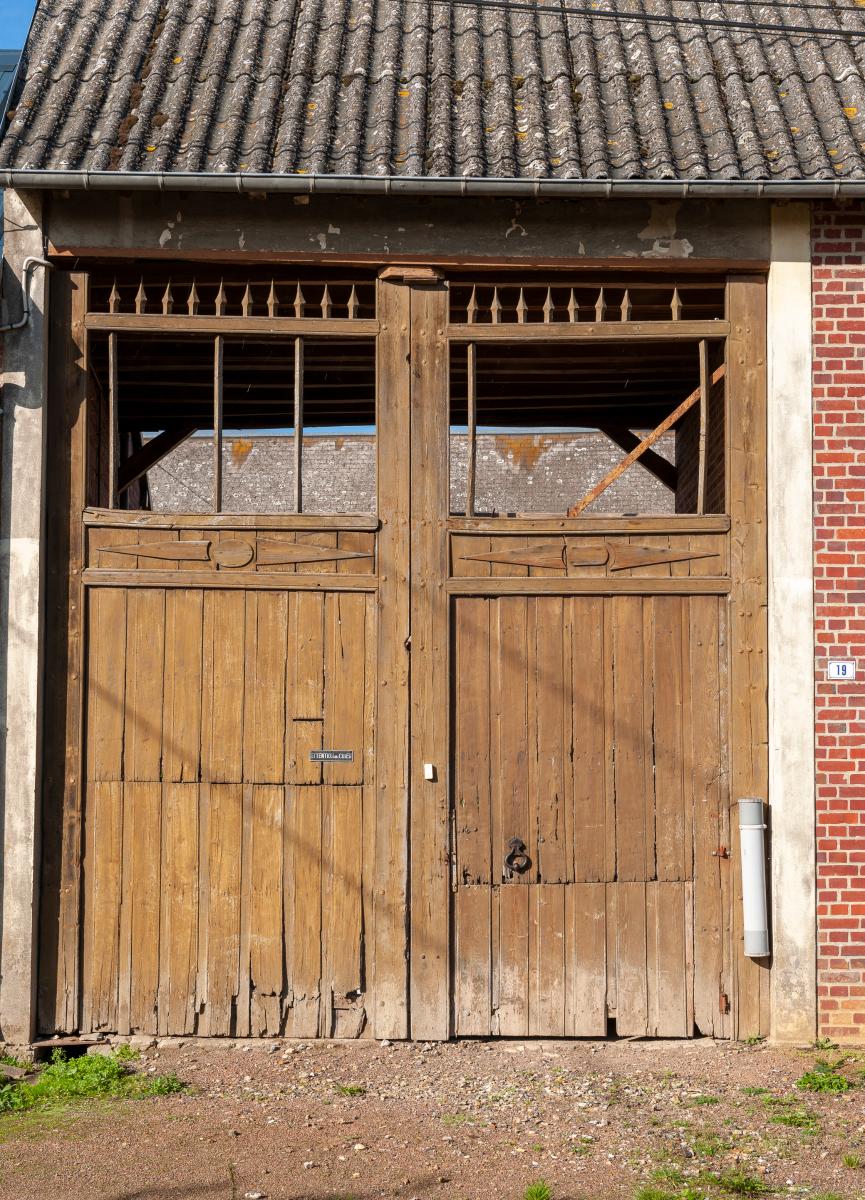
column 411, row 185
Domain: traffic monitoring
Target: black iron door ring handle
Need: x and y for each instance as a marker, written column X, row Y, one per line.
column 516, row 859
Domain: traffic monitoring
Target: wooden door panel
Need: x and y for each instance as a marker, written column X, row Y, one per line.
column 227, row 892
column 601, row 716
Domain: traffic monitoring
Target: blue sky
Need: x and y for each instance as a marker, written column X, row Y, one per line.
column 15, row 16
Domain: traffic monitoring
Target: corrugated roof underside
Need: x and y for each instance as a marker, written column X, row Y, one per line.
column 384, row 87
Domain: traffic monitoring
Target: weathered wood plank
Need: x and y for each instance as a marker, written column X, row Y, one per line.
column 223, row 679
column 181, row 721
column 472, row 732
column 266, row 911
column 178, row 933
column 585, row 974
column 472, row 960
column 629, row 738
column 145, row 644
column 342, row 876
column 511, row 960
column 389, row 941
column 102, row 875
column 429, row 684
column 224, row 838
column 746, row 489
column 546, row 999
column 142, row 811
column 69, row 414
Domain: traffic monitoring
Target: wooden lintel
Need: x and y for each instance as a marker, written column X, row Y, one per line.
column 150, row 454
column 654, row 463
column 649, row 440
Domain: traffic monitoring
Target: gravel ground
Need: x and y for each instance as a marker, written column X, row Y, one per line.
column 469, row 1120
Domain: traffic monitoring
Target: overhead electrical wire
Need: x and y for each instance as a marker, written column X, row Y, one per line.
column 649, row 18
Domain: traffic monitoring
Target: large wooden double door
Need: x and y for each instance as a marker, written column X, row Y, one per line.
column 412, row 774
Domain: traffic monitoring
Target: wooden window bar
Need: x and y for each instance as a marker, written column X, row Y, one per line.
column 298, row 425
column 472, row 403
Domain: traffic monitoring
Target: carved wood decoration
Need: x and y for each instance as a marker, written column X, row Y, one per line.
column 236, row 552
column 612, row 555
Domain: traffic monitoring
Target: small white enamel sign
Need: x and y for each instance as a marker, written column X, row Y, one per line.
column 842, row 668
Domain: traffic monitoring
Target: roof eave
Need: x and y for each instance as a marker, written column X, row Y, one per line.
column 376, row 185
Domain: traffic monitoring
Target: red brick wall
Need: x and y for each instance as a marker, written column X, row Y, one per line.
column 838, row 235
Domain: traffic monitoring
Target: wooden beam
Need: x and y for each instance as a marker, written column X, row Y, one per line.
column 298, row 425
column 590, row 331
column 654, row 463
column 702, row 465
column 472, row 402
column 150, row 454
column 273, row 326
column 648, row 440
column 217, row 422
column 113, row 430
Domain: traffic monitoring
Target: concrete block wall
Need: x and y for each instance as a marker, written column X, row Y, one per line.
column 838, row 285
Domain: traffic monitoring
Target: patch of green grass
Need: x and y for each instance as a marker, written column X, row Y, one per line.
column 825, row 1196
column 825, row 1077
column 9, row 1060
column 825, row 1044
column 68, row 1081
column 538, row 1191
column 699, row 1100
column 755, row 1091
column 708, row 1144
column 350, row 1089
column 737, row 1183
column 755, row 1040
column 797, row 1118
column 668, row 1175
column 126, row 1053
column 854, row 1161
column 650, row 1193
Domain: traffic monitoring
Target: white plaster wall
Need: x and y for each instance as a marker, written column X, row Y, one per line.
column 791, row 628
column 21, row 622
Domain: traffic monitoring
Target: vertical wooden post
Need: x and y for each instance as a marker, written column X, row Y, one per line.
column 472, row 400
column 429, row 827
column 217, row 422
column 298, row 425
column 113, row 423
column 704, row 426
column 67, row 452
column 390, row 886
column 746, row 488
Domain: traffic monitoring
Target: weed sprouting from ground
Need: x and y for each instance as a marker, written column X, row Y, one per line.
column 755, row 1091
column 740, row 1184
column 538, row 1191
column 854, row 1161
column 825, row 1077
column 68, row 1081
column 350, row 1089
column 825, row 1043
column 701, row 1100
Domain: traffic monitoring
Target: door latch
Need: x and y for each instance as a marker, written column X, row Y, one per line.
column 516, row 859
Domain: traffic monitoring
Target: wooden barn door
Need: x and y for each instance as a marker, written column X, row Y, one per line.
column 607, row 708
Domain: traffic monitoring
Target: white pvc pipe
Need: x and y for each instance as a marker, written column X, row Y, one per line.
column 752, row 842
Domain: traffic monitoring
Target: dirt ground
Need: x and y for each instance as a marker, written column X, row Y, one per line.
column 471, row 1121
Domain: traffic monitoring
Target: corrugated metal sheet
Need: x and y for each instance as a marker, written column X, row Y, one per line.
column 415, row 88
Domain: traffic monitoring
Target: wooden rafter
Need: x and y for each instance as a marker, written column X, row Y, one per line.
column 150, row 454
column 640, row 449
column 654, row 463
